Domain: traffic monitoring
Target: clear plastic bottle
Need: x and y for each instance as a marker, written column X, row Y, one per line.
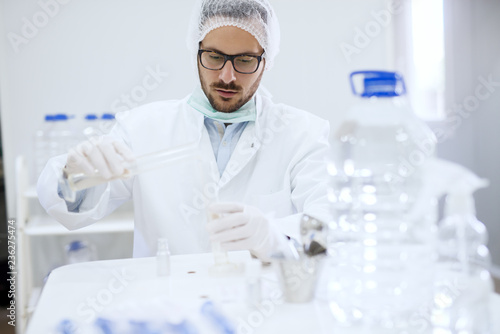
column 79, row 251
column 62, row 136
column 90, row 125
column 107, row 122
column 253, row 270
column 42, row 145
column 463, row 284
column 382, row 251
column 98, row 126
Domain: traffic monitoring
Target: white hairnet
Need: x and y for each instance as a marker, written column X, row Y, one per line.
column 254, row 16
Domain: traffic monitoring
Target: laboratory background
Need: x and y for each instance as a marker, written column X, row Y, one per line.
column 92, row 57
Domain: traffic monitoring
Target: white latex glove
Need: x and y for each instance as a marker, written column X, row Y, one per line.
column 100, row 156
column 242, row 227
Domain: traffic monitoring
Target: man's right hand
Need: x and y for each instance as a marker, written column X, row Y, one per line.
column 100, row 156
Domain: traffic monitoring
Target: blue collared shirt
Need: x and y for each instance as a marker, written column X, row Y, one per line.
column 223, row 139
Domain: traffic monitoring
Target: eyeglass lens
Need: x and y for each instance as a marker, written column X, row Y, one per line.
column 215, row 61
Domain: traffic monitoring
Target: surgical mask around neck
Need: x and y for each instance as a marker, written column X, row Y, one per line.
column 199, row 101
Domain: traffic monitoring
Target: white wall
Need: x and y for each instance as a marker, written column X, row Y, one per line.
column 91, row 53
column 311, row 71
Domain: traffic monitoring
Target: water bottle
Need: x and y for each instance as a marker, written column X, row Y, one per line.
column 253, row 271
column 42, row 146
column 79, row 251
column 95, row 126
column 107, row 122
column 381, row 248
column 61, row 136
column 90, row 126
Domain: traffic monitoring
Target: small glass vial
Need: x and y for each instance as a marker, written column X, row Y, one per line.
column 163, row 258
column 253, row 286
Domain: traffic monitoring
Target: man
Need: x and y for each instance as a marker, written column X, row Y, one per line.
column 261, row 164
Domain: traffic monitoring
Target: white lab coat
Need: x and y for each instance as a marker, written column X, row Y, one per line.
column 278, row 165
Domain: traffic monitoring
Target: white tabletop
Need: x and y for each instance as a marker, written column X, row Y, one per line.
column 82, row 292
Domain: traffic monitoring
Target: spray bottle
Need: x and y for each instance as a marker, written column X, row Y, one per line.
column 463, row 284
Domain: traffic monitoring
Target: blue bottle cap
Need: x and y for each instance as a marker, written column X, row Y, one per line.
column 378, row 84
column 76, row 245
column 108, row 117
column 61, row 117
column 91, row 117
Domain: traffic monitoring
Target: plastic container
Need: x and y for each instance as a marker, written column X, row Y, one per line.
column 253, row 269
column 55, row 137
column 107, row 122
column 90, row 126
column 79, row 251
column 61, row 136
column 464, row 284
column 298, row 277
column 42, row 145
column 97, row 126
column 381, row 250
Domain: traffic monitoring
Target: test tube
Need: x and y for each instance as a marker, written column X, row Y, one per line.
column 71, row 183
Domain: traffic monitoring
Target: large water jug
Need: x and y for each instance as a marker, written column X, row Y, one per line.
column 383, row 236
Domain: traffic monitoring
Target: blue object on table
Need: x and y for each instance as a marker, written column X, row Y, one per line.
column 105, row 325
column 209, row 310
column 66, row 326
column 183, row 327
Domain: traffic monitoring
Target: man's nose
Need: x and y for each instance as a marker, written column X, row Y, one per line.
column 227, row 73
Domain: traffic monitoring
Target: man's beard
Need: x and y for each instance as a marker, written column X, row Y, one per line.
column 234, row 106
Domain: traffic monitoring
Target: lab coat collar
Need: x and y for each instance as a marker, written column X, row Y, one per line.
column 246, row 148
column 207, row 152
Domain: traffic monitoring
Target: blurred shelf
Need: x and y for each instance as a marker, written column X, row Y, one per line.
column 115, row 223
column 39, row 225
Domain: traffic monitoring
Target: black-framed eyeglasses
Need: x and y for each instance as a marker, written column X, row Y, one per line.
column 245, row 64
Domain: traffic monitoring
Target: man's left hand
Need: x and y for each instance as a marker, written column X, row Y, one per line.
column 242, row 227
